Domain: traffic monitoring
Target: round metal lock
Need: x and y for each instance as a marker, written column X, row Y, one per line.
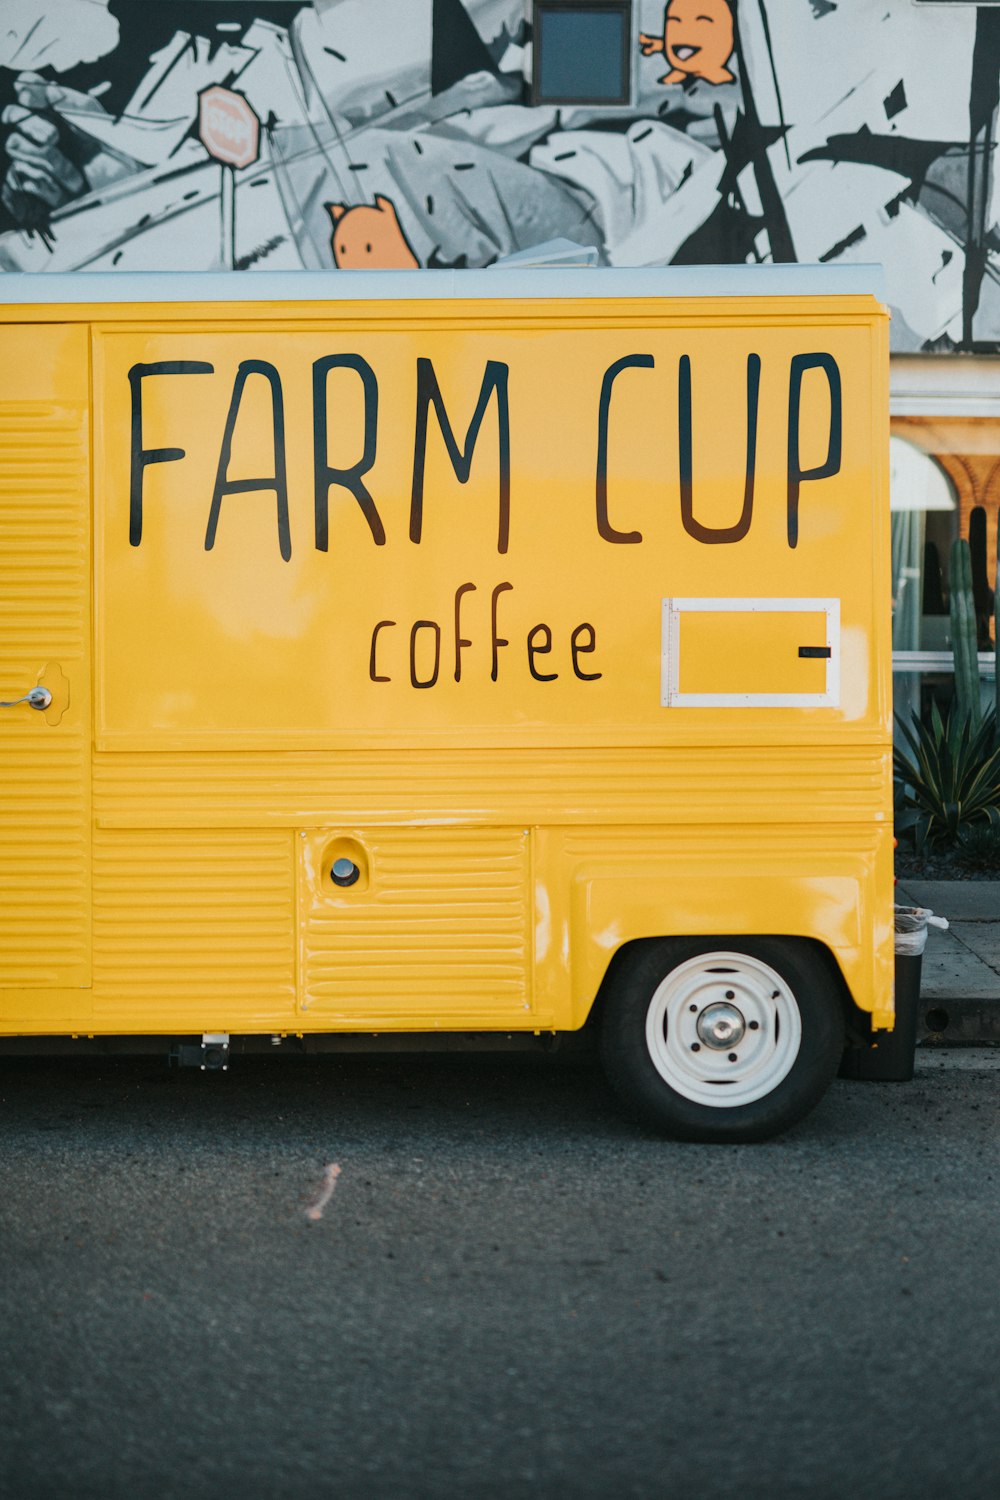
column 344, row 871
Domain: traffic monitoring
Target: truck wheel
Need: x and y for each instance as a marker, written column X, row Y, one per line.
column 721, row 1039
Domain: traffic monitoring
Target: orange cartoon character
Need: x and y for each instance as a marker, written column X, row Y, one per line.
column 370, row 237
column 697, row 41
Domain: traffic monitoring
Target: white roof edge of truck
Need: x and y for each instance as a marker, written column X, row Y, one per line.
column 47, row 287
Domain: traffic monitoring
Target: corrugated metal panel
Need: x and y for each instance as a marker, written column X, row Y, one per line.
column 194, row 931
column 437, row 935
column 751, row 849
column 44, row 857
column 44, row 618
column 709, row 784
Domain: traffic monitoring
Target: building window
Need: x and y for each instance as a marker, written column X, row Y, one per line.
column 944, row 483
column 924, row 510
column 582, row 52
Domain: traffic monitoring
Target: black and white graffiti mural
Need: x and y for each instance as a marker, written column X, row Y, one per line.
column 402, row 133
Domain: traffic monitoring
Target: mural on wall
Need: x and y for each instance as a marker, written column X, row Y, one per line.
column 697, row 41
column 370, row 236
column 402, row 133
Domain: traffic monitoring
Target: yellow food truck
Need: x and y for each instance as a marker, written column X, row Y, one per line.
column 473, row 655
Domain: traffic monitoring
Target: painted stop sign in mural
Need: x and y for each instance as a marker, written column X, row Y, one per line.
column 228, row 127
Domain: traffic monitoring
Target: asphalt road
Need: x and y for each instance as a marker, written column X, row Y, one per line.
column 509, row 1290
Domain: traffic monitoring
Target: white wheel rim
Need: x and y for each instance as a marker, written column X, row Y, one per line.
column 699, row 1049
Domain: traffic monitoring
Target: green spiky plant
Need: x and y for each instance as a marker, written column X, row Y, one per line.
column 948, row 771
column 982, row 594
column 948, row 777
column 964, row 641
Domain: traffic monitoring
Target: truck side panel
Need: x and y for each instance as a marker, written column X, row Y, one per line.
column 564, row 626
column 45, row 638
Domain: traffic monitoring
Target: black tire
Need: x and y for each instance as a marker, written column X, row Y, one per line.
column 663, row 998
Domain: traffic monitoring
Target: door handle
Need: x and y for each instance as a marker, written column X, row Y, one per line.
column 39, row 698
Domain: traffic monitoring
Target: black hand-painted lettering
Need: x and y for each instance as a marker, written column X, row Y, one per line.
column 429, row 394
column 278, row 481
column 604, row 526
column 372, row 669
column 498, row 640
column 714, row 534
column 141, row 456
column 534, row 650
column 419, row 625
column 350, row 479
column 577, row 650
column 831, row 465
column 460, row 641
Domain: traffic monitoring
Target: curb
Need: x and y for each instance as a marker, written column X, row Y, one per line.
column 966, row 1022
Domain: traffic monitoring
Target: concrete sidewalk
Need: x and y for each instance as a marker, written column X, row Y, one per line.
column 960, row 978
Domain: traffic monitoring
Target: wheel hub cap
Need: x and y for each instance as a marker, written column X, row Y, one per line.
column 721, row 1026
